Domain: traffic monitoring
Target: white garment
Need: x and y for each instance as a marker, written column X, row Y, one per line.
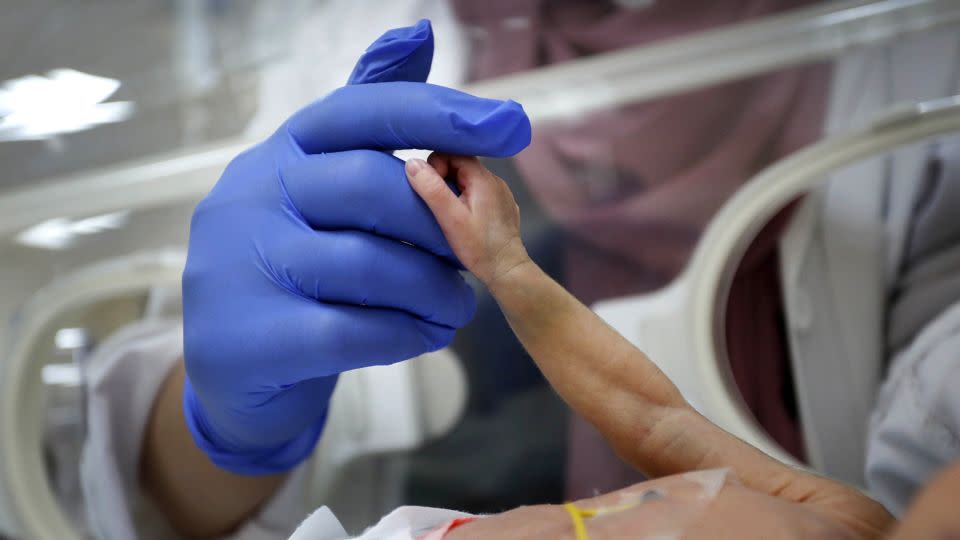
column 126, row 373
column 840, row 257
column 404, row 523
column 915, row 429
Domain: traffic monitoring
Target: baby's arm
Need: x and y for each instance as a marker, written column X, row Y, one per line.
column 593, row 368
column 597, row 372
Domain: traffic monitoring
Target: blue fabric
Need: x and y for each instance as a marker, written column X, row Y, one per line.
column 312, row 256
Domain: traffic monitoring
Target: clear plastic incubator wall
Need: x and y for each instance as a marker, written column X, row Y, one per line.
column 688, row 182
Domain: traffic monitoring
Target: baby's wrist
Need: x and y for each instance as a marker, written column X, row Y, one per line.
column 510, row 267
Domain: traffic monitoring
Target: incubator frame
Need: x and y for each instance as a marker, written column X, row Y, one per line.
column 693, row 306
column 36, row 512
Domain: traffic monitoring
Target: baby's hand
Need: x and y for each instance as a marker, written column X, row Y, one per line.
column 482, row 225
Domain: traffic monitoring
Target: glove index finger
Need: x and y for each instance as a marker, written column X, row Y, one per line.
column 400, row 115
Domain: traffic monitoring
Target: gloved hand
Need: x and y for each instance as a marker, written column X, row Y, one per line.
column 312, row 256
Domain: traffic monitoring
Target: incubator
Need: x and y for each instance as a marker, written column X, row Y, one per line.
column 85, row 254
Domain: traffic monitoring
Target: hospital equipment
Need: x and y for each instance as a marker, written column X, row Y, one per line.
column 680, row 328
column 161, row 191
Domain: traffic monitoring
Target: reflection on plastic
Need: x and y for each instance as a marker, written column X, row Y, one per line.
column 64, row 101
column 60, row 233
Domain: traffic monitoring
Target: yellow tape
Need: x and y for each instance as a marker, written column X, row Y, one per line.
column 576, row 515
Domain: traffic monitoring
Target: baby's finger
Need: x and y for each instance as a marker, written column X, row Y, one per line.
column 472, row 177
column 440, row 162
column 447, row 208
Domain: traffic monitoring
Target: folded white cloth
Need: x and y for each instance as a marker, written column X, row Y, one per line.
column 404, row 523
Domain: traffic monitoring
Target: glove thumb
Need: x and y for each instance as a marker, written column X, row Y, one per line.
column 401, row 54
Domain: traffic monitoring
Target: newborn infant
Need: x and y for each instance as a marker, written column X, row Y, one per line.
column 624, row 395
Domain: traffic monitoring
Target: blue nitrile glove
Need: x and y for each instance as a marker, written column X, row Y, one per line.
column 312, row 256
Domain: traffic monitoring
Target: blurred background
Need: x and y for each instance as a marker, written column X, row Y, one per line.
column 116, row 118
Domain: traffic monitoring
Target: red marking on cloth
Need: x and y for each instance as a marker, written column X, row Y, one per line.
column 438, row 534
